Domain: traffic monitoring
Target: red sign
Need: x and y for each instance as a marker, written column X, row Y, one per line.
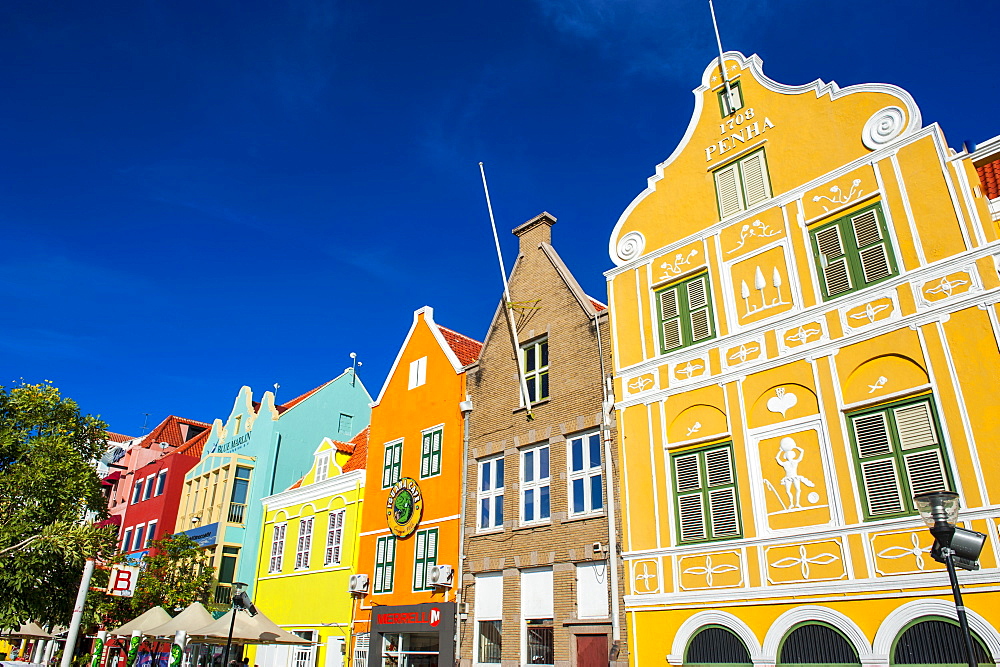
column 432, row 617
column 122, row 580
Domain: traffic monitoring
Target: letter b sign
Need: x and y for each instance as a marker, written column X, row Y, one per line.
column 122, row 580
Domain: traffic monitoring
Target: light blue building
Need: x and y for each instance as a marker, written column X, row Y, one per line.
column 261, row 449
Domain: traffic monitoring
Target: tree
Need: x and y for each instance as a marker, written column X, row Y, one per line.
column 49, row 496
column 176, row 573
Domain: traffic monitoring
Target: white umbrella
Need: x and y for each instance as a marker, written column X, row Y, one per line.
column 28, row 631
column 153, row 618
column 192, row 618
column 248, row 629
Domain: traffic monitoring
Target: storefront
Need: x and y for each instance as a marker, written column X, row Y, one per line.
column 418, row 635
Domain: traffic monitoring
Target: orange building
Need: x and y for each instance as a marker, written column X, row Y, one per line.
column 410, row 527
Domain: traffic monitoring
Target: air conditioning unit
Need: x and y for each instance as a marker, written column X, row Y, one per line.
column 442, row 575
column 359, row 583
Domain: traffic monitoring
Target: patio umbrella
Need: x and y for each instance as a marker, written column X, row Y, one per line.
column 248, row 629
column 193, row 618
column 144, row 622
column 27, row 631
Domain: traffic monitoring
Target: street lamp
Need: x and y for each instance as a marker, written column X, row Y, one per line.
column 952, row 546
column 237, row 600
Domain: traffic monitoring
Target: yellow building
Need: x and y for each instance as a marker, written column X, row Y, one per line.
column 805, row 336
column 309, row 551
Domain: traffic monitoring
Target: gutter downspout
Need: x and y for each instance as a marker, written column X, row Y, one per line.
column 466, row 407
column 616, row 628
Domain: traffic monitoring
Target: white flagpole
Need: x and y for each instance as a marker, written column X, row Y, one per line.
column 722, row 63
column 507, row 302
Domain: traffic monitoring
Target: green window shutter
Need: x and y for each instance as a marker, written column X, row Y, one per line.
column 871, row 432
column 379, row 564
column 722, row 509
column 873, row 253
column 419, row 563
column 387, row 466
column 686, row 313
column 756, row 188
column 397, row 462
column 833, row 261
column 425, row 455
column 718, row 467
column 699, row 309
column 390, row 563
column 705, row 483
column 436, row 452
column 687, row 472
column 728, row 189
column 430, row 559
column 671, row 320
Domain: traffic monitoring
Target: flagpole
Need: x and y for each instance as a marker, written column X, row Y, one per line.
column 722, row 63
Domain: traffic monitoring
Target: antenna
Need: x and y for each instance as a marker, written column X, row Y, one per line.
column 507, row 304
column 722, row 63
column 145, row 422
column 355, row 364
column 276, row 387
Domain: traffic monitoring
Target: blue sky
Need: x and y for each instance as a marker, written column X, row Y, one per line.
column 198, row 196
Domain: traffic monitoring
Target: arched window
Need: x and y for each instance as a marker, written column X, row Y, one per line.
column 815, row 643
column 936, row 642
column 714, row 645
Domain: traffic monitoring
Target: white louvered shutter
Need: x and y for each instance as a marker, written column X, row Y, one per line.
column 925, row 471
column 670, row 318
column 872, row 249
column 698, row 309
column 387, row 467
column 722, row 509
column 334, row 537
column 755, row 182
column 833, row 261
column 881, row 482
column 390, row 563
column 420, row 565
column 728, row 189
column 718, row 467
column 871, row 432
column 915, row 426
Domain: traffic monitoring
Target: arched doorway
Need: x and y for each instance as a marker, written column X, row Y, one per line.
column 817, row 643
column 716, row 645
column 936, row 641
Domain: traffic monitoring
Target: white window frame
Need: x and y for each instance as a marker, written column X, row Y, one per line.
column 150, row 482
column 533, row 378
column 161, row 482
column 428, row 453
column 127, row 539
column 139, row 537
column 736, row 184
column 586, row 474
column 304, row 655
column 385, row 561
column 418, row 373
column 137, row 491
column 322, row 467
column 489, row 495
column 334, row 537
column 536, row 484
column 303, row 544
column 277, row 547
column 150, row 533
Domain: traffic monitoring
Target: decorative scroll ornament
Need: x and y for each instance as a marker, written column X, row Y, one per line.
column 916, row 551
column 709, row 569
column 631, row 246
column 677, row 267
column 748, row 231
column 840, row 197
column 803, row 560
column 884, row 126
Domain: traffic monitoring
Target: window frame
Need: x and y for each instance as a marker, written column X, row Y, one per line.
column 137, row 491
column 487, row 470
column 392, row 470
column 538, row 483
column 428, row 451
column 161, row 482
column 275, row 563
column 725, row 110
column 852, row 251
column 586, row 474
column 334, row 537
column 684, row 312
column 139, row 537
column 418, row 373
column 498, row 624
column 705, row 491
column 303, row 543
column 385, row 561
column 739, row 165
column 421, row 564
column 127, row 539
column 150, row 533
column 898, row 454
column 322, row 471
column 538, row 376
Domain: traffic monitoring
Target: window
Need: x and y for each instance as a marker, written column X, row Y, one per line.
column 537, row 606
column 345, row 424
column 490, row 642
column 418, row 373
column 137, row 491
column 489, row 614
column 685, row 313
column 150, row 533
column 586, row 491
column 127, row 540
column 238, row 499
column 139, row 533
column 853, row 252
column 491, row 493
column 304, row 543
column 734, row 101
column 385, row 564
column 540, row 646
column 277, row 548
column 150, row 483
column 304, row 655
column 430, row 453
column 425, row 558
column 742, row 184
column 161, row 482
column 898, row 454
column 334, row 537
column 392, row 461
column 536, row 369
column 705, row 492
column 227, row 565
column 535, row 484
column 322, row 467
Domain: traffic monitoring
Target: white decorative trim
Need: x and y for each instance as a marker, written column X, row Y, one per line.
column 884, row 126
column 803, row 561
column 781, row 625
column 709, row 569
column 639, row 383
column 747, row 346
column 906, row 613
column 868, row 317
column 945, row 286
column 692, row 625
column 631, row 246
column 812, row 332
column 694, row 368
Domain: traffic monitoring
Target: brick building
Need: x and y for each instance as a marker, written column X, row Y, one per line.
column 537, row 591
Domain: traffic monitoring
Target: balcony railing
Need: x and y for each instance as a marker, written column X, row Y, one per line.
column 223, row 594
column 236, row 512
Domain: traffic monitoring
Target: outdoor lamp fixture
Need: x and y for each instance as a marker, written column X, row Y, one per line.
column 952, row 546
column 237, row 599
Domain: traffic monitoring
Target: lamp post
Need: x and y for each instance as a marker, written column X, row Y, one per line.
column 237, row 589
column 952, row 546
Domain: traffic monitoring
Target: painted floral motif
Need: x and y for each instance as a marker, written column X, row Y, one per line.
column 750, row 230
column 879, row 383
column 709, row 570
column 841, row 197
column 646, row 576
column 671, row 269
column 802, row 335
column 694, row 428
column 640, row 384
column 743, row 352
column 916, row 551
column 690, row 369
column 803, row 560
column 870, row 312
column 760, row 284
column 947, row 286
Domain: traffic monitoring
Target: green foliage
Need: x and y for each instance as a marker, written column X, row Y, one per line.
column 49, row 491
column 176, row 573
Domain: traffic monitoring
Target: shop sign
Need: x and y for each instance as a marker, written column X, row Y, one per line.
column 205, row 536
column 431, row 617
column 232, row 444
column 122, row 580
column 404, row 507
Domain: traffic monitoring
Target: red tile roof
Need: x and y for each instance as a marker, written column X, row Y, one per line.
column 989, row 175
column 196, row 445
column 295, row 401
column 169, row 431
column 465, row 348
column 598, row 306
column 117, row 437
column 360, row 456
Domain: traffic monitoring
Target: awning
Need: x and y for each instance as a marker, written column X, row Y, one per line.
column 248, row 629
column 27, row 631
column 153, row 618
column 193, row 618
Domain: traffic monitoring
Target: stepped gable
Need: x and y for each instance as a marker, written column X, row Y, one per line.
column 465, row 348
column 360, row 456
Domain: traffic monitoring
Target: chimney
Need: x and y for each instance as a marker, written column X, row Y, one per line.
column 535, row 231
